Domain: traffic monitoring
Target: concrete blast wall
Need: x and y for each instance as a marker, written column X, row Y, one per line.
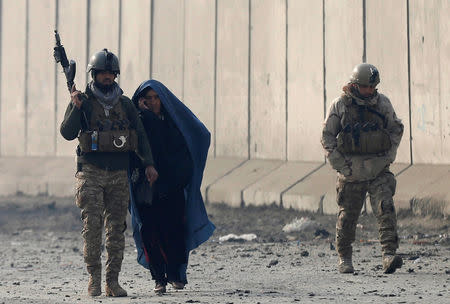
column 259, row 73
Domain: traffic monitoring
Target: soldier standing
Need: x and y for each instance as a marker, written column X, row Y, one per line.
column 108, row 128
column 361, row 135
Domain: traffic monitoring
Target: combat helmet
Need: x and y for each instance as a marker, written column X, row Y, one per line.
column 104, row 61
column 365, row 74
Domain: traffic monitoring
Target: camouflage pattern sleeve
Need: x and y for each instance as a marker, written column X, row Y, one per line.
column 332, row 127
column 395, row 129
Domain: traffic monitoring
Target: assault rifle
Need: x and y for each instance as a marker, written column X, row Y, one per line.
column 69, row 68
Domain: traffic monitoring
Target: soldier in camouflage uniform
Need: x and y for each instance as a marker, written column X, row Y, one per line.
column 108, row 128
column 361, row 135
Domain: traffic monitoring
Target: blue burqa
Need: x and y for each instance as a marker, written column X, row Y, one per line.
column 197, row 137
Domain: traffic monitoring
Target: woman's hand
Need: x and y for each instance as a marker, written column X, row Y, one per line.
column 151, row 174
column 142, row 104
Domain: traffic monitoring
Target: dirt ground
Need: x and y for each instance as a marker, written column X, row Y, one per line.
column 41, row 259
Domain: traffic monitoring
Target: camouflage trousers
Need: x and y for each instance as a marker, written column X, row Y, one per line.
column 351, row 197
column 103, row 199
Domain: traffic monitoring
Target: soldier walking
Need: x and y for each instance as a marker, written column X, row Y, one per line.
column 361, row 136
column 108, row 128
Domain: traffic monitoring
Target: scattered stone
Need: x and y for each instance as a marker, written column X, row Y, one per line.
column 377, row 268
column 410, row 270
column 272, row 263
column 332, row 246
column 321, row 254
column 445, row 240
column 75, row 249
column 304, row 253
column 321, row 233
column 51, row 206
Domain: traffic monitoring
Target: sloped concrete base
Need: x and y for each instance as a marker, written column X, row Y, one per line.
column 37, row 175
column 425, row 189
column 238, row 182
column 269, row 188
column 216, row 168
column 229, row 189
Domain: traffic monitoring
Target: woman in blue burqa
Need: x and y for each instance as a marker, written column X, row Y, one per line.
column 169, row 218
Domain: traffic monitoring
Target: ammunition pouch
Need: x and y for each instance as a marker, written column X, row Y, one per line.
column 363, row 140
column 109, row 141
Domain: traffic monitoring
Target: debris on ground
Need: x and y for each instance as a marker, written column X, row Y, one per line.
column 238, row 238
column 302, row 224
column 321, row 233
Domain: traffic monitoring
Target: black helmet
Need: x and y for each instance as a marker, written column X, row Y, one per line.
column 365, row 74
column 104, row 61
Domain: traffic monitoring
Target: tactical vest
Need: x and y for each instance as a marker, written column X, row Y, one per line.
column 364, row 131
column 108, row 133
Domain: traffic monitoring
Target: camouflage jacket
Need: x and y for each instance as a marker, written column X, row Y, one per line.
column 360, row 167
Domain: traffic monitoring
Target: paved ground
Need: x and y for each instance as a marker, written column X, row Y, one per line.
column 41, row 261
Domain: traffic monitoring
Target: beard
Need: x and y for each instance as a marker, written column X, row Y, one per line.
column 104, row 88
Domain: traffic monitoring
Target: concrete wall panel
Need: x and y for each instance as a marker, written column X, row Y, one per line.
column 343, row 43
column 168, row 44
column 135, row 44
column 199, row 59
column 268, row 79
column 305, row 80
column 104, row 26
column 13, row 67
column 232, row 78
column 444, row 55
column 41, row 108
column 430, row 93
column 386, row 23
column 73, row 30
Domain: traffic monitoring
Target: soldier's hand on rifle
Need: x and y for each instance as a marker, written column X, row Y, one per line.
column 152, row 174
column 75, row 96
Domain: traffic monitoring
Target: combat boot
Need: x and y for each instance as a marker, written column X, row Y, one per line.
column 95, row 280
column 112, row 288
column 345, row 264
column 391, row 262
